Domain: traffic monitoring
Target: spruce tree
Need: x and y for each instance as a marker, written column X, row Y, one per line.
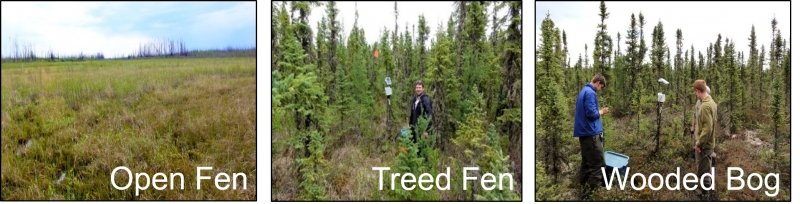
column 302, row 29
column 602, row 44
column 658, row 52
column 679, row 69
column 753, row 68
column 443, row 86
column 632, row 67
column 296, row 89
column 332, row 40
column 315, row 169
column 553, row 109
column 357, row 97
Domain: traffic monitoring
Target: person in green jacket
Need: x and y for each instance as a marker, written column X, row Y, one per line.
column 706, row 119
column 696, row 110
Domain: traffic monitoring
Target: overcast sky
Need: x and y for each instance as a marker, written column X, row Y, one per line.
column 373, row 17
column 700, row 22
column 376, row 16
column 117, row 28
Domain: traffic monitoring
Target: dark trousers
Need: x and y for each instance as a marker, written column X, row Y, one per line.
column 414, row 134
column 592, row 160
column 704, row 164
column 415, row 139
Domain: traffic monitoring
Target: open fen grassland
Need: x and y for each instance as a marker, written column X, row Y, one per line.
column 67, row 125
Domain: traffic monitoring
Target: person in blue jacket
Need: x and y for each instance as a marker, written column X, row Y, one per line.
column 588, row 128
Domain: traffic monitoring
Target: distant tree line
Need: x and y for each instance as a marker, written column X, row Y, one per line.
column 162, row 48
column 22, row 51
column 25, row 52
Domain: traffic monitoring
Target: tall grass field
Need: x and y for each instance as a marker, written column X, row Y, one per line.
column 67, row 125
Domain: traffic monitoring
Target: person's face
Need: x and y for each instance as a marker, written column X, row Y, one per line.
column 419, row 89
column 599, row 86
column 697, row 93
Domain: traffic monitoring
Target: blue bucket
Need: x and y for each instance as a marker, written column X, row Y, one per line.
column 405, row 132
column 616, row 160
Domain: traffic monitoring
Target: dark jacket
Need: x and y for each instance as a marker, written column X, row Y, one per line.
column 587, row 115
column 424, row 106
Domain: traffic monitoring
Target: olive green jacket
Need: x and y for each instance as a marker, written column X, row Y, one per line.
column 706, row 117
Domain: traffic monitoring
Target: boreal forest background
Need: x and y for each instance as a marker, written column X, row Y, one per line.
column 332, row 122
column 752, row 95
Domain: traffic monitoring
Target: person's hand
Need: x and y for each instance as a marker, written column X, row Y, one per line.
column 697, row 149
column 604, row 111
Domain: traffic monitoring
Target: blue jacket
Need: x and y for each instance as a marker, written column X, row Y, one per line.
column 587, row 117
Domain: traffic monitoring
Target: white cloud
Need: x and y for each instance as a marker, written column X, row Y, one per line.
column 65, row 27
column 118, row 28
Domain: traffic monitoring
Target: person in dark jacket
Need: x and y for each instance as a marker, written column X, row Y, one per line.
column 588, row 128
column 420, row 104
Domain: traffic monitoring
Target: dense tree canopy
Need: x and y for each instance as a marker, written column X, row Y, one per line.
column 331, row 83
